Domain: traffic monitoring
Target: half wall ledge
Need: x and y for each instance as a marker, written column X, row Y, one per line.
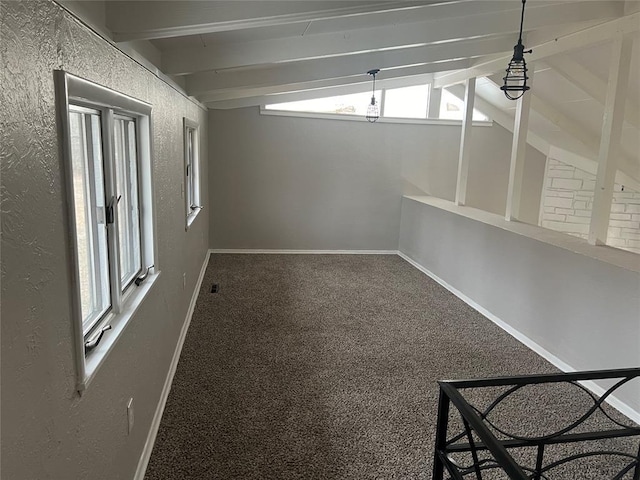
column 613, row 256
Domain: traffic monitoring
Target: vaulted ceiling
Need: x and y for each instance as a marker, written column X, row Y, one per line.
column 231, row 54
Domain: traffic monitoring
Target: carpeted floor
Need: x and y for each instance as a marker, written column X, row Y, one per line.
column 325, row 367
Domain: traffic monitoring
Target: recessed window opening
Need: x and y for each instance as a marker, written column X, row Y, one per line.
column 191, row 171
column 106, row 146
column 401, row 105
column 353, row 104
column 452, row 108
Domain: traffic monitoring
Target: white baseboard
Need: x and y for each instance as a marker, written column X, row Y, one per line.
column 157, row 417
column 303, row 252
column 619, row 405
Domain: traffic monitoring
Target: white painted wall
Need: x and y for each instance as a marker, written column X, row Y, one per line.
column 48, row 431
column 582, row 310
column 306, row 183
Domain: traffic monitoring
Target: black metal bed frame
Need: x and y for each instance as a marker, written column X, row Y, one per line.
column 477, row 426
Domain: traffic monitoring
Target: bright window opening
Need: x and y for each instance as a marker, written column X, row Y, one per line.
column 354, row 104
column 407, row 102
column 452, row 108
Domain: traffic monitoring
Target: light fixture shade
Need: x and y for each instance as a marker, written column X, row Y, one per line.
column 515, row 81
column 373, row 111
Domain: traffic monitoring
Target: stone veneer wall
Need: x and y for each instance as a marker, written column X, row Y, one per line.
column 567, row 199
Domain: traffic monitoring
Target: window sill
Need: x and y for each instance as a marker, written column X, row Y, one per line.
column 359, row 118
column 191, row 217
column 118, row 322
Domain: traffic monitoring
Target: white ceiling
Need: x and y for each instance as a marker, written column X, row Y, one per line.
column 238, row 53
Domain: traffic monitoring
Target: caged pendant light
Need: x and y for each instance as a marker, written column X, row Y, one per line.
column 373, row 110
column 515, row 82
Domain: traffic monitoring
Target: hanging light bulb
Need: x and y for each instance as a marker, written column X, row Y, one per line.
column 515, row 82
column 373, row 110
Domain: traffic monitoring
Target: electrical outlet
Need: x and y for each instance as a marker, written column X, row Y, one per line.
column 129, row 416
column 184, row 281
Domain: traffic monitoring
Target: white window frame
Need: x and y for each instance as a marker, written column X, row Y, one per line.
column 383, row 119
column 191, row 190
column 75, row 92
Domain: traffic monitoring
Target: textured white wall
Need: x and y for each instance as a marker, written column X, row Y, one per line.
column 580, row 309
column 568, row 201
column 48, row 431
column 309, row 183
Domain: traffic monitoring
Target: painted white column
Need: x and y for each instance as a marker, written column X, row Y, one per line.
column 518, row 152
column 465, row 142
column 610, row 139
column 435, row 98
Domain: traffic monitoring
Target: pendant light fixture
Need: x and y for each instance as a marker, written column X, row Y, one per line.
column 373, row 110
column 515, row 82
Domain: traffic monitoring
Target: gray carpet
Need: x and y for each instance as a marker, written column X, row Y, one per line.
column 324, row 367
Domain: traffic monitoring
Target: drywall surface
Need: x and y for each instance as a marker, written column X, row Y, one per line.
column 48, row 430
column 310, row 183
column 298, row 183
column 580, row 309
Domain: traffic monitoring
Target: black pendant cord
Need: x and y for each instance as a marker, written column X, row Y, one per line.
column 373, row 92
column 521, row 21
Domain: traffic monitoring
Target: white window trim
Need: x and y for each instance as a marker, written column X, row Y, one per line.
column 196, row 170
column 75, row 90
column 381, row 119
column 361, row 118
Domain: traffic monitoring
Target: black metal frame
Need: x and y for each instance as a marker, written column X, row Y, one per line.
column 476, row 422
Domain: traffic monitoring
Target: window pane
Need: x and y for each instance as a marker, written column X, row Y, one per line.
column 89, row 216
column 452, row 108
column 407, row 102
column 127, row 199
column 354, row 104
column 194, row 168
column 190, row 172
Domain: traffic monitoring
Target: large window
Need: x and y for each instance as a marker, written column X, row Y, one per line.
column 191, row 171
column 354, row 104
column 397, row 105
column 107, row 144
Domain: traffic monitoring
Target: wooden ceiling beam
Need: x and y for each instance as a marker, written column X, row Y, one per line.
column 143, row 20
column 340, row 67
column 412, row 76
column 388, row 37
